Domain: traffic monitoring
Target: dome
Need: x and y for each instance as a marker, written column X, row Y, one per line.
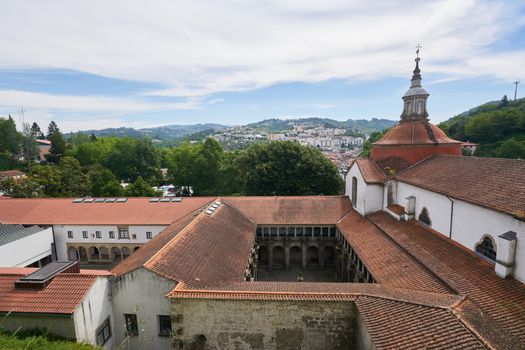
column 415, row 132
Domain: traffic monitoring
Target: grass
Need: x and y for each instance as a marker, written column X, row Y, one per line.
column 38, row 340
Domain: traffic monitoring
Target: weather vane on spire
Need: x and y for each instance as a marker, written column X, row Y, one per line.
column 418, row 46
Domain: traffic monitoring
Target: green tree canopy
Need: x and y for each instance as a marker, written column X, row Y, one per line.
column 10, row 138
column 141, row 188
column 103, row 182
column 287, row 168
column 57, row 149
column 511, row 148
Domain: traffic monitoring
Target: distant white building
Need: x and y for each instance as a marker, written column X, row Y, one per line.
column 25, row 246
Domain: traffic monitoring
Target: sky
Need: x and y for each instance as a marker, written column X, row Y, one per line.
column 98, row 64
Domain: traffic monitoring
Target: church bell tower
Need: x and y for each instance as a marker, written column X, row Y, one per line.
column 415, row 99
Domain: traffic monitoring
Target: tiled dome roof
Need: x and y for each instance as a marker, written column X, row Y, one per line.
column 415, row 132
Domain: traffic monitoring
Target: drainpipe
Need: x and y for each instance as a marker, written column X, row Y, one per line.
column 451, row 216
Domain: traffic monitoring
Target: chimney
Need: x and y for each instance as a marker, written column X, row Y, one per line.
column 505, row 254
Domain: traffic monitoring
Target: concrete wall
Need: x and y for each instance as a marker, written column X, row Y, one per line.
column 246, row 324
column 62, row 239
column 93, row 311
column 27, row 250
column 60, row 325
column 363, row 340
column 470, row 223
column 369, row 197
column 141, row 292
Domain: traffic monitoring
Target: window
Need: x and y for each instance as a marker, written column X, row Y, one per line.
column 259, row 231
column 148, row 235
column 84, row 234
column 332, row 231
column 164, row 325
column 69, row 234
column 308, row 231
column 317, row 231
column 266, row 231
column 103, row 332
column 111, row 234
column 282, row 231
column 98, row 234
column 486, row 248
column 133, row 236
column 123, row 233
column 132, row 326
column 354, row 191
column 299, row 231
column 273, row 231
column 291, row 231
column 325, row 231
column 424, row 218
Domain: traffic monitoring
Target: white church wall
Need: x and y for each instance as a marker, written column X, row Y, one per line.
column 142, row 292
column 27, row 250
column 369, row 196
column 469, row 223
column 61, row 236
column 93, row 311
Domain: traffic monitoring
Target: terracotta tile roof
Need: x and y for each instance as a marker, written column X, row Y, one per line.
column 62, row 211
column 313, row 291
column 45, row 142
column 396, row 209
column 211, row 249
column 306, row 210
column 460, row 177
column 9, row 173
column 400, row 325
column 415, row 133
column 148, row 250
column 61, row 296
column 388, row 263
column 370, row 171
column 468, row 274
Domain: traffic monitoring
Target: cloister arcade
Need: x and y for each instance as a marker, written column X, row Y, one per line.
column 100, row 254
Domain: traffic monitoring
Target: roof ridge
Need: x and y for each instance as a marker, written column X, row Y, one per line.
column 231, row 205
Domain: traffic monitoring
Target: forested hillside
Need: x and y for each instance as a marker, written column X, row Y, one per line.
column 498, row 127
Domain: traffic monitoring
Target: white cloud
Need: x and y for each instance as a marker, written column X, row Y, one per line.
column 199, row 48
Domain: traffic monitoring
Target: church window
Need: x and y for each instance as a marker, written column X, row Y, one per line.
column 486, row 248
column 420, row 107
column 409, row 106
column 354, row 191
column 424, row 218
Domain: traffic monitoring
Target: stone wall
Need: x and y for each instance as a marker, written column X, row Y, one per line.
column 59, row 325
column 250, row 324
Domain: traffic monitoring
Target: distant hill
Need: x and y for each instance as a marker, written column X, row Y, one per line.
column 497, row 126
column 362, row 125
column 167, row 132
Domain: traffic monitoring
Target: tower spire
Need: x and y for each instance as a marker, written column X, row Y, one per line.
column 415, row 99
column 416, row 77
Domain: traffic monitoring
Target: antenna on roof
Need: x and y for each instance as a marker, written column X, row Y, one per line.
column 516, row 89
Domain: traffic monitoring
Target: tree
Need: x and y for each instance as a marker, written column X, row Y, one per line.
column 10, row 138
column 36, row 132
column 367, row 145
column 141, row 188
column 29, row 144
column 51, row 129
column 511, row 149
column 287, row 168
column 28, row 188
column 74, row 182
column 104, row 183
column 504, row 102
column 48, row 179
column 57, row 149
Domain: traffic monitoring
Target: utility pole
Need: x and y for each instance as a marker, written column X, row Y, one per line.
column 516, row 89
column 26, row 130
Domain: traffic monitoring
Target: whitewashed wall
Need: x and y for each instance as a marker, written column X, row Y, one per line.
column 27, row 250
column 142, row 292
column 369, row 197
column 62, row 239
column 93, row 311
column 470, row 222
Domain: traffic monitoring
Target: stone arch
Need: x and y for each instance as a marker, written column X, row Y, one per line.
column 263, row 256
column 104, row 253
column 125, row 252
column 312, row 257
column 486, row 247
column 82, row 254
column 424, row 217
column 94, row 253
column 296, row 257
column 278, row 257
column 72, row 254
column 116, row 254
column 329, row 255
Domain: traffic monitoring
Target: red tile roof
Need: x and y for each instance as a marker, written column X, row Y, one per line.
column 136, row 211
column 211, row 249
column 148, row 250
column 467, row 274
column 61, row 296
column 370, row 171
column 388, row 263
column 9, row 173
column 400, row 325
column 306, row 210
column 415, row 133
column 503, row 181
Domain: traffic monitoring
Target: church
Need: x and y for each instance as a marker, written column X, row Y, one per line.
column 424, row 250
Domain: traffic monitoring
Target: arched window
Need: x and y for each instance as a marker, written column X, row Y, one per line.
column 424, row 218
column 354, row 191
column 487, row 248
